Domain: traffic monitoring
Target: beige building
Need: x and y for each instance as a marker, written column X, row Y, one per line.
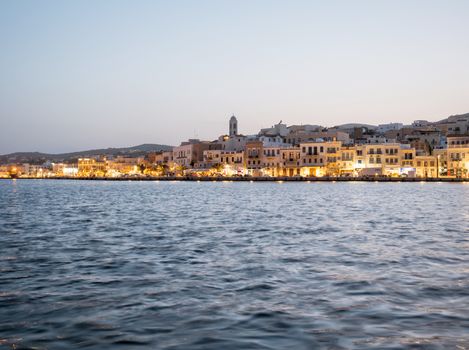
column 63, row 169
column 91, row 167
column 320, row 158
column 228, row 163
column 124, row 166
column 271, row 161
column 191, row 152
column 298, row 136
column 290, row 162
column 253, row 154
column 426, row 166
column 390, row 159
column 347, row 159
column 457, row 156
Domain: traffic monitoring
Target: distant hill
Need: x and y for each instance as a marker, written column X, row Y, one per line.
column 355, row 125
column 38, row 158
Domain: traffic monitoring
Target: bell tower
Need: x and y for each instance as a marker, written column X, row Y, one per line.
column 233, row 126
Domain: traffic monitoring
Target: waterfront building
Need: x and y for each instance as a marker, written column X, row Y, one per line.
column 188, row 153
column 347, row 160
column 426, row 166
column 124, row 166
column 70, row 170
column 457, row 156
column 232, row 162
column 271, row 161
column 58, row 169
column 35, row 170
column 221, row 162
column 168, row 158
column 320, row 158
column 63, row 169
column 12, row 170
column 162, row 163
column 88, row 167
column 4, row 171
column 290, row 163
column 253, row 157
column 390, row 159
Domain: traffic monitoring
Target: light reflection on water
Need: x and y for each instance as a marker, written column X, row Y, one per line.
column 182, row 265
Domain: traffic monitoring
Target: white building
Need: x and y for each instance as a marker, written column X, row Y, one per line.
column 382, row 128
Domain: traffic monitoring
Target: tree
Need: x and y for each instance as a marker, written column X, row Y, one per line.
column 217, row 168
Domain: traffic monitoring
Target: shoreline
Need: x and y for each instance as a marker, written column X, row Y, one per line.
column 250, row 179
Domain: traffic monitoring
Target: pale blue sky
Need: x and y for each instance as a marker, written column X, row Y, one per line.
column 83, row 74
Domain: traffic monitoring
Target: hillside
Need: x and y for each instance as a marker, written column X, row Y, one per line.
column 38, row 157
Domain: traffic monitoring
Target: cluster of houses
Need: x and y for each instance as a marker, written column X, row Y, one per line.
column 422, row 149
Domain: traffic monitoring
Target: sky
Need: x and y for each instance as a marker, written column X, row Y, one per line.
column 78, row 75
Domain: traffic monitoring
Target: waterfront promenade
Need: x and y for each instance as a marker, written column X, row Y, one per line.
column 259, row 179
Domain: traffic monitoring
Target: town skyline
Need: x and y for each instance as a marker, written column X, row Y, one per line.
column 423, row 149
column 181, row 138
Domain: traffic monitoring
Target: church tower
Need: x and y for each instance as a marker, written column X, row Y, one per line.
column 233, row 126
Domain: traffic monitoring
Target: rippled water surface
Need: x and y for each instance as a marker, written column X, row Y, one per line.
column 187, row 265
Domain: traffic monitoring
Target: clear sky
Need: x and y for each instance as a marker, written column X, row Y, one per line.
column 95, row 73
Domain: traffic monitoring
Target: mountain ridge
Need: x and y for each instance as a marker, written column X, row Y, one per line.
column 34, row 157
